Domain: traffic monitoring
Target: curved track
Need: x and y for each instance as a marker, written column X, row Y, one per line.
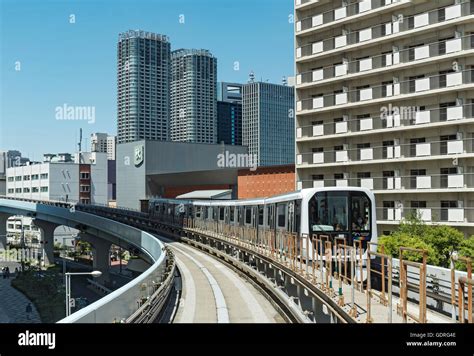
column 213, row 293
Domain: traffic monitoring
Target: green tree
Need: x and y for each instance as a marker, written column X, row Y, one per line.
column 393, row 242
column 445, row 240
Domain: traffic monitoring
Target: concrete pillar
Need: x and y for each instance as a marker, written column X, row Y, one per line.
column 47, row 240
column 100, row 255
column 3, row 230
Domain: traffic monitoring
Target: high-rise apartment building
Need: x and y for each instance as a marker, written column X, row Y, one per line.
column 268, row 122
column 229, row 113
column 385, row 98
column 193, row 96
column 143, row 85
column 102, row 142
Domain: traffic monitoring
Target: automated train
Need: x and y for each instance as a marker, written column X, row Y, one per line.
column 347, row 212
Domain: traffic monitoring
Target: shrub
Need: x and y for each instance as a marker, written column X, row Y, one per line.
column 393, row 242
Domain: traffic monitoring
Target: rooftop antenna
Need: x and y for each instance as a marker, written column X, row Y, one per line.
column 251, row 77
column 284, row 81
column 79, row 144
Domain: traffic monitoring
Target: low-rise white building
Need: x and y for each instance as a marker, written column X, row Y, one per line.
column 82, row 178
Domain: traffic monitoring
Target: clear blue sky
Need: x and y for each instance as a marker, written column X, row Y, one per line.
column 75, row 64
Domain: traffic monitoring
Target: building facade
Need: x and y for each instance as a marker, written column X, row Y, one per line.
column 60, row 177
column 193, row 96
column 168, row 169
column 229, row 113
column 143, row 86
column 9, row 159
column 384, row 99
column 229, row 123
column 266, row 181
column 105, row 143
column 268, row 122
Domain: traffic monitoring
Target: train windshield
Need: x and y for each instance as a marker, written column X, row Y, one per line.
column 346, row 214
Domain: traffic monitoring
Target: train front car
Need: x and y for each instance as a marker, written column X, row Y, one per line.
column 343, row 213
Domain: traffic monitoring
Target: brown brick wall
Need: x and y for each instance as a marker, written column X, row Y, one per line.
column 266, row 181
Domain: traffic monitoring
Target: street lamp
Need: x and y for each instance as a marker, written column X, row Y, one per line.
column 94, row 274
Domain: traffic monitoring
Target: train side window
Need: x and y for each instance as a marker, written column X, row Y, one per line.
column 281, row 215
column 268, row 216
column 221, row 213
column 232, row 209
column 248, row 215
column 260, row 215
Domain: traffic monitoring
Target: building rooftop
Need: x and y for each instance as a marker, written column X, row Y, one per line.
column 218, row 194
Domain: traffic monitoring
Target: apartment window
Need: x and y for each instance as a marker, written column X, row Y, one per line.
column 444, row 173
column 386, row 176
column 443, row 110
column 318, row 176
column 34, row 177
column 85, row 175
column 26, row 177
column 385, row 85
column 35, row 189
column 18, row 178
column 411, row 51
column 386, row 206
column 443, row 145
column 26, row 190
column 10, row 190
column 442, row 77
column 85, row 201
column 361, row 146
column 445, row 206
column 362, row 175
column 11, row 179
column 361, row 117
column 85, row 188
column 416, row 173
column 317, row 149
column 17, row 190
column 412, row 83
column 413, row 143
column 387, row 144
column 338, row 176
column 44, row 189
column 416, row 204
column 44, row 176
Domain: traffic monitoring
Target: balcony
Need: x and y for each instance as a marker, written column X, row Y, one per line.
column 385, row 61
column 408, row 183
column 380, row 153
column 409, row 118
column 454, row 216
column 381, row 31
column 385, row 92
column 342, row 13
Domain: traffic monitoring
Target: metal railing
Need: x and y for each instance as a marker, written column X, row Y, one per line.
column 432, row 181
column 344, row 12
column 403, row 56
column 398, row 26
column 375, row 121
column 378, row 151
column 386, row 91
